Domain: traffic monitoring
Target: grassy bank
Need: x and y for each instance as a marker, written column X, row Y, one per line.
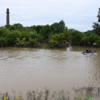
column 85, row 93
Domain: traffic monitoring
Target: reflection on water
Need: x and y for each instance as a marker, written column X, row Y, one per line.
column 22, row 69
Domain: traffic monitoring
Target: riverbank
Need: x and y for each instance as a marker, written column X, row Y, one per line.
column 47, row 45
column 42, row 45
column 85, row 93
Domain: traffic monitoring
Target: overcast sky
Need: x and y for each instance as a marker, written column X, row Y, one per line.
column 77, row 14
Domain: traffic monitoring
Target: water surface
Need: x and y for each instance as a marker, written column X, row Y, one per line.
column 24, row 69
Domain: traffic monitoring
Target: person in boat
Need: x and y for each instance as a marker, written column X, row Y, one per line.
column 86, row 50
column 93, row 51
column 89, row 51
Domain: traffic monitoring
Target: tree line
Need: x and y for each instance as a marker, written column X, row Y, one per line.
column 56, row 35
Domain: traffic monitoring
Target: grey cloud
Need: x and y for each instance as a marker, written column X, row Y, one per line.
column 75, row 13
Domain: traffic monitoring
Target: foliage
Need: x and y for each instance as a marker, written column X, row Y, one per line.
column 3, row 31
column 47, row 94
column 97, row 41
column 12, row 36
column 21, row 41
column 33, row 41
column 54, row 34
column 75, row 37
column 34, row 35
column 89, row 37
column 37, row 28
column 18, row 26
column 96, row 25
column 58, row 39
column 84, row 39
column 58, row 27
column 67, row 34
column 2, row 41
column 25, row 34
column 93, row 38
column 44, row 32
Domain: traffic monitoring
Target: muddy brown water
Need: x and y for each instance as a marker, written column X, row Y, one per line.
column 24, row 69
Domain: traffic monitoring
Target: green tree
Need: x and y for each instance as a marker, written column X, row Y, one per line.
column 34, row 35
column 21, row 42
column 67, row 34
column 89, row 38
column 25, row 34
column 4, row 31
column 44, row 32
column 84, row 40
column 33, row 41
column 97, row 41
column 12, row 37
column 2, row 41
column 96, row 25
column 93, row 38
column 75, row 37
column 58, row 27
column 18, row 26
column 58, row 39
column 10, row 27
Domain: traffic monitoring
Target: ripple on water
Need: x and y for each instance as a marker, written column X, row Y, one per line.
column 24, row 69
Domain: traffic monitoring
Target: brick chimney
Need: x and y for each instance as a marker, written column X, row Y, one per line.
column 7, row 17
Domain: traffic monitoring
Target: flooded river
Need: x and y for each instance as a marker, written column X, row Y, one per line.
column 24, row 69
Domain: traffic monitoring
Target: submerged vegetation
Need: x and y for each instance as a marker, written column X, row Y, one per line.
column 55, row 35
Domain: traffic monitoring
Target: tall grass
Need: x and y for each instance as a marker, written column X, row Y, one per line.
column 85, row 93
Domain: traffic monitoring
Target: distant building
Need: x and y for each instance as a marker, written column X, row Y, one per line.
column 7, row 17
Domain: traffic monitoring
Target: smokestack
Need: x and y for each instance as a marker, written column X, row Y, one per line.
column 7, row 17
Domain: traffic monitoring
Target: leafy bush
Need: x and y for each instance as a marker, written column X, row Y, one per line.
column 12, row 36
column 97, row 41
column 58, row 39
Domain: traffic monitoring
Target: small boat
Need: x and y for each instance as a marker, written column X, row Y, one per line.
column 92, row 53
